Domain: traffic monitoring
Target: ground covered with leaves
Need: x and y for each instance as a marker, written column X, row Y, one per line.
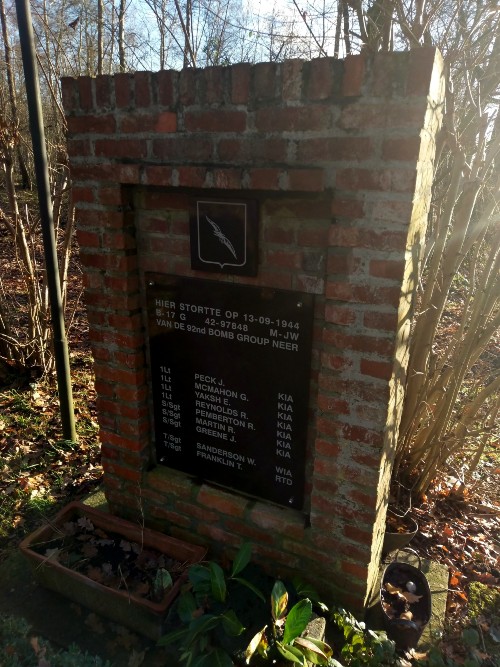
column 459, row 526
column 40, row 472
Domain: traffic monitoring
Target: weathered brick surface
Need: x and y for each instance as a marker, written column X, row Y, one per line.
column 339, row 155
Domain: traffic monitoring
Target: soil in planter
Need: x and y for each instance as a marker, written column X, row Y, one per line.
column 111, row 560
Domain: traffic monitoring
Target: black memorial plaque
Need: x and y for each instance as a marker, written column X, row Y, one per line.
column 224, row 236
column 230, row 368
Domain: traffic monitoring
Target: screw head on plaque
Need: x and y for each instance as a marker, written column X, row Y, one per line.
column 224, row 236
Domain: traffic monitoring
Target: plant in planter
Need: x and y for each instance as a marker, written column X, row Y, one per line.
column 211, row 612
column 218, row 614
column 118, row 569
column 281, row 639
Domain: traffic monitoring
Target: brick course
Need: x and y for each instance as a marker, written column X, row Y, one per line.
column 340, row 160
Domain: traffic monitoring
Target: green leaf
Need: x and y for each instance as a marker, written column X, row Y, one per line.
column 199, row 574
column 172, row 637
column 163, row 580
column 495, row 633
column 357, row 639
column 470, row 637
column 217, row 582
column 279, row 600
column 199, row 577
column 315, row 650
column 241, row 559
column 292, row 654
column 216, row 658
column 251, row 587
column 326, row 648
column 305, row 590
column 201, row 661
column 435, row 657
column 297, row 620
column 257, row 641
column 187, row 657
column 231, row 623
column 219, row 658
column 472, row 662
column 200, row 626
column 186, row 607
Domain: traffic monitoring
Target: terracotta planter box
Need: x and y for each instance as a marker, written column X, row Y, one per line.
column 138, row 613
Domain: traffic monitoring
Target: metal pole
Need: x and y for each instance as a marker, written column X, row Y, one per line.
column 47, row 221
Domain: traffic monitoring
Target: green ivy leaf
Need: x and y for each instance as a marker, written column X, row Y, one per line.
column 297, row 620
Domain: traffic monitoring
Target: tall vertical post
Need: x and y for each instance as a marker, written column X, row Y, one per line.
column 46, row 217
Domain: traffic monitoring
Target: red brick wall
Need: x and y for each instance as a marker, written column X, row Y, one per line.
column 339, row 155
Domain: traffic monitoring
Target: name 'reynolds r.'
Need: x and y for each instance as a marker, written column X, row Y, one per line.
column 215, row 415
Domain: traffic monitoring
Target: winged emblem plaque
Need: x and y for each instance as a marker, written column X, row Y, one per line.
column 224, row 236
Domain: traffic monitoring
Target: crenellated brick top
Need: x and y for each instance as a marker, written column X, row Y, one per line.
column 270, row 126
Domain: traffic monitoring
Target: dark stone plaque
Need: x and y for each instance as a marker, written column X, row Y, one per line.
column 224, row 236
column 230, row 368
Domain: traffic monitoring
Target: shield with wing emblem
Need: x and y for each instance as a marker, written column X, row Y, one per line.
column 223, row 237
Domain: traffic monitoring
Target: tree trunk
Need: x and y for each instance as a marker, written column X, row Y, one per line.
column 121, row 35
column 347, row 38
column 100, row 38
column 338, row 30
column 25, row 177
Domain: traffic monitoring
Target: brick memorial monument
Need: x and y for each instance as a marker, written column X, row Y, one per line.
column 250, row 239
